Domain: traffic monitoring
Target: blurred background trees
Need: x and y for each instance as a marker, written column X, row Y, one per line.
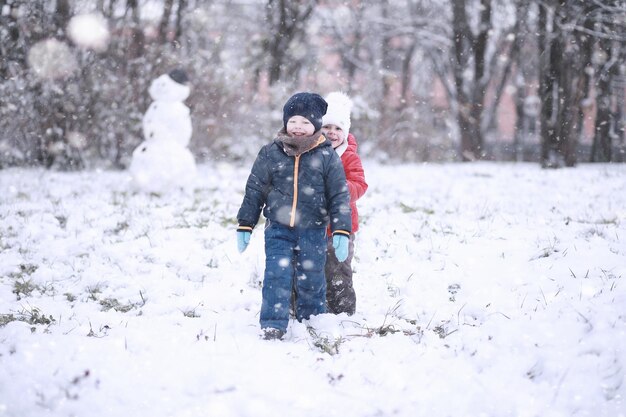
column 432, row 81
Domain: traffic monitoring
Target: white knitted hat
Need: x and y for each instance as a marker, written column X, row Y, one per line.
column 338, row 112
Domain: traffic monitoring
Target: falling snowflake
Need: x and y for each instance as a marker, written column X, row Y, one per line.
column 76, row 140
column 51, row 59
column 89, row 31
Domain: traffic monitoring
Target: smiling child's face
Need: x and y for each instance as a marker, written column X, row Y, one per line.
column 299, row 126
column 335, row 134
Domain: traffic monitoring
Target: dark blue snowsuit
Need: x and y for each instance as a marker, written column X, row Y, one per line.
column 300, row 195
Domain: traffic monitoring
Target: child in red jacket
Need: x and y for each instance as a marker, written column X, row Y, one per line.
column 340, row 295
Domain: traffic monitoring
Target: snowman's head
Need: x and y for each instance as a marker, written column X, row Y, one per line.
column 166, row 88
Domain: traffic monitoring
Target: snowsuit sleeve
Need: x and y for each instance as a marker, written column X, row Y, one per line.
column 355, row 176
column 257, row 188
column 338, row 197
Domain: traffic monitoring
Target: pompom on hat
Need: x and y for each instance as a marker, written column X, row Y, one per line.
column 338, row 113
column 309, row 105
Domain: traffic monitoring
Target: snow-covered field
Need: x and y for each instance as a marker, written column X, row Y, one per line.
column 483, row 290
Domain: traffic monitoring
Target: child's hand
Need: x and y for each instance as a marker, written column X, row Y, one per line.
column 243, row 238
column 340, row 243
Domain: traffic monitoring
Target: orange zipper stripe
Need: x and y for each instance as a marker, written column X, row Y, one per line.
column 296, row 167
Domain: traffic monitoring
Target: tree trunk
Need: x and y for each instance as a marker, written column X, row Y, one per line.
column 165, row 21
column 406, row 71
column 178, row 33
column 137, row 42
column 62, row 15
column 620, row 108
column 470, row 92
column 287, row 20
column 521, row 119
column 519, row 31
column 602, row 143
column 601, row 147
column 610, row 86
column 386, row 79
column 565, row 78
column 547, row 80
column 11, row 50
column 352, row 53
column 570, row 97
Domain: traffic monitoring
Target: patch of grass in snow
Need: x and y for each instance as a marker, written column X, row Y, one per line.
column 548, row 250
column 114, row 304
column 102, row 331
column 111, row 303
column 205, row 336
column 408, row 209
column 386, row 329
column 228, row 222
column 23, row 286
column 31, row 315
column 393, row 290
column 6, row 319
column 614, row 221
column 482, row 175
column 593, row 232
column 93, row 291
column 191, row 312
column 119, row 228
column 334, row 379
column 21, row 195
column 119, row 198
column 62, row 220
column 453, row 289
column 441, row 331
column 25, row 269
column 324, row 343
column 389, row 325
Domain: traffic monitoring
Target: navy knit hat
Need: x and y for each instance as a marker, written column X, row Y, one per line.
column 309, row 105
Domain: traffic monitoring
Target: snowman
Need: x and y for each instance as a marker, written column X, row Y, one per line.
column 163, row 162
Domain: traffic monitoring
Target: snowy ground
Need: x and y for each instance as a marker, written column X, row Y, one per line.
column 483, row 290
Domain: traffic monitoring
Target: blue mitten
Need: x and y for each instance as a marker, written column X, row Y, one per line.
column 340, row 243
column 243, row 238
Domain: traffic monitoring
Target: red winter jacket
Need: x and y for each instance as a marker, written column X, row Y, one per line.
column 354, row 174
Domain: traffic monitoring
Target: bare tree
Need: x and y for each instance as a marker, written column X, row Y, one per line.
column 571, row 34
column 555, row 50
column 165, row 20
column 11, row 50
column 382, row 53
column 606, row 24
column 286, row 25
column 476, row 69
column 525, row 74
column 469, row 52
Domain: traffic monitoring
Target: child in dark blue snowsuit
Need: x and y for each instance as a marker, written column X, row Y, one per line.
column 299, row 183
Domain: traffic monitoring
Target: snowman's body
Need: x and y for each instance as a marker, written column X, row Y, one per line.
column 162, row 162
column 168, row 117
